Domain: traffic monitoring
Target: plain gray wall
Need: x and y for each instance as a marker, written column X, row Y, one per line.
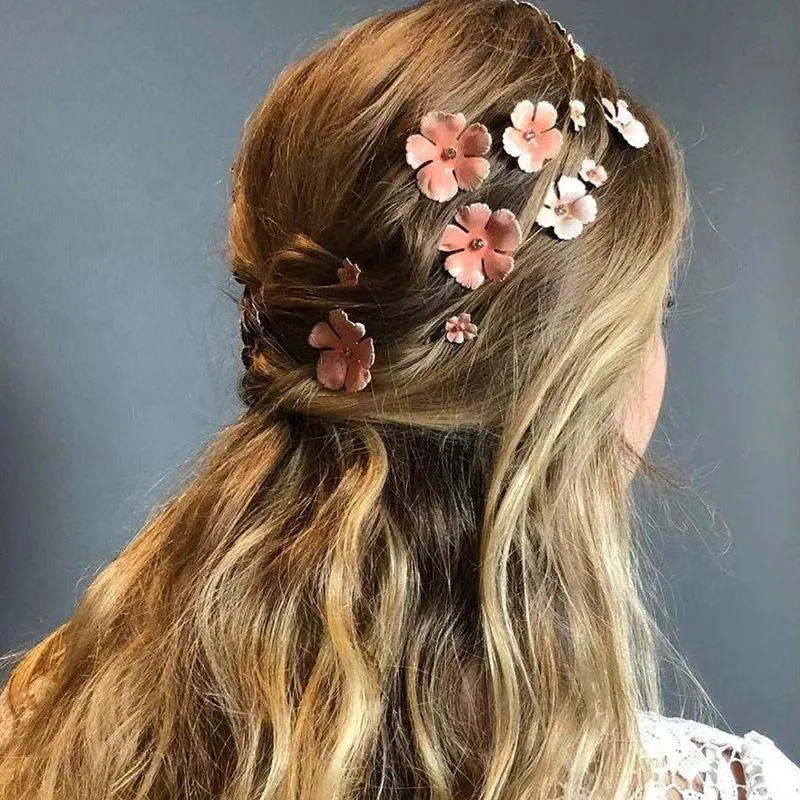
column 119, row 349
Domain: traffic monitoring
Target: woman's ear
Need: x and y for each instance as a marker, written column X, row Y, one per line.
column 645, row 402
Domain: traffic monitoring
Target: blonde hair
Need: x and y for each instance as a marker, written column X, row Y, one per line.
column 429, row 588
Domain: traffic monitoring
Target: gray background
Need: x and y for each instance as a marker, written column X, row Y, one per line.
column 118, row 346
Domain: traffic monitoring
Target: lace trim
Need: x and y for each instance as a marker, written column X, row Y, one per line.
column 694, row 761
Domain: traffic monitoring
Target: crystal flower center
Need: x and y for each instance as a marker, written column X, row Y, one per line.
column 449, row 153
column 561, row 209
column 477, row 244
column 529, row 135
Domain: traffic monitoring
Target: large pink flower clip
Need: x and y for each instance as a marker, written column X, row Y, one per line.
column 480, row 244
column 533, row 139
column 346, row 355
column 450, row 155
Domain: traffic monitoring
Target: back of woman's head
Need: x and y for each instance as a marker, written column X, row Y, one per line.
column 426, row 588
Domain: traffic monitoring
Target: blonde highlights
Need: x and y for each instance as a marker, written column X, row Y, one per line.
column 429, row 588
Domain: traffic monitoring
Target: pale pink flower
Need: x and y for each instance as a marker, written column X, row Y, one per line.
column 593, row 173
column 576, row 48
column 620, row 117
column 348, row 273
column 460, row 329
column 533, row 139
column 569, row 210
column 577, row 111
column 346, row 355
column 450, row 154
column 480, row 244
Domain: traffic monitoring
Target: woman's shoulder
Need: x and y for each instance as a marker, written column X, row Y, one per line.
column 696, row 760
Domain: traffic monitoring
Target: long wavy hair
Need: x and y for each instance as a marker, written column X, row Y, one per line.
column 430, row 588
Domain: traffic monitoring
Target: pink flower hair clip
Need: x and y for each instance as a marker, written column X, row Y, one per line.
column 569, row 210
column 346, row 355
column 349, row 273
column 593, row 173
column 450, row 155
column 460, row 329
column 480, row 244
column 533, row 139
column 620, row 117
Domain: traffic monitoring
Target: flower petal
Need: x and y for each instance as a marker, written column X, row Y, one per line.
column 475, row 140
column 331, row 369
column 470, row 173
column 610, row 111
column 570, row 189
column 455, row 335
column 419, row 150
column 635, row 133
column 348, row 332
column 567, row 227
column 454, row 238
column 497, row 265
column 436, row 181
column 466, row 267
column 529, row 162
column 624, row 115
column 364, row 352
column 442, row 128
column 546, row 217
column 474, row 218
column 357, row 377
column 322, row 335
column 545, row 116
column 503, row 231
column 548, row 144
column 585, row 209
column 513, row 143
column 522, row 115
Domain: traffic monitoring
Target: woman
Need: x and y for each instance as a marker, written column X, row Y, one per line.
column 408, row 570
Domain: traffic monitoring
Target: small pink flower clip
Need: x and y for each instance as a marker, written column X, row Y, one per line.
column 569, row 210
column 348, row 274
column 620, row 117
column 576, row 48
column 533, row 139
column 577, row 111
column 593, row 173
column 346, row 355
column 460, row 329
column 480, row 244
column 450, row 155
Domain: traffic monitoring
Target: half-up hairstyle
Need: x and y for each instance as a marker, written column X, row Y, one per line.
column 428, row 588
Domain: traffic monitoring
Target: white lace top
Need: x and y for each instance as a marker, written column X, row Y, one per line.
column 696, row 762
